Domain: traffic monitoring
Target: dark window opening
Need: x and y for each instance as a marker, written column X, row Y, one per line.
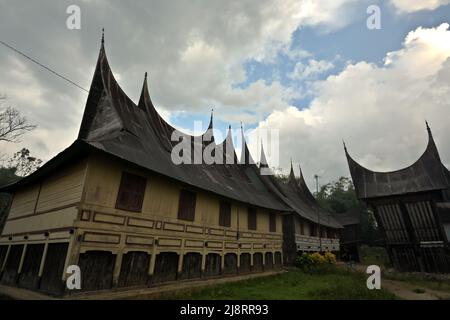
column 186, row 206
column 272, row 222
column 225, row 214
column 131, row 192
column 251, row 218
column 314, row 229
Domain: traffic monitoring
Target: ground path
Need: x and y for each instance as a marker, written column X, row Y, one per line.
column 405, row 290
column 408, row 291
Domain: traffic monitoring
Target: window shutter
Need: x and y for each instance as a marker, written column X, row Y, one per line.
column 131, row 192
column 225, row 214
column 186, row 205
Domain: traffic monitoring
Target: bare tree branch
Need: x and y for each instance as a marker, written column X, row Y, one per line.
column 12, row 124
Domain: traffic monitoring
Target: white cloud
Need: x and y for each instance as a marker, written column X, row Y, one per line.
column 418, row 5
column 313, row 68
column 379, row 110
column 194, row 53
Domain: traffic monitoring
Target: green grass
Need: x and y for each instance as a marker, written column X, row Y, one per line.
column 293, row 285
column 374, row 256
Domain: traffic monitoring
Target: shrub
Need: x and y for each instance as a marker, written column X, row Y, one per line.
column 330, row 257
column 315, row 262
column 318, row 259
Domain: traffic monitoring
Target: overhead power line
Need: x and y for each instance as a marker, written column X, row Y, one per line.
column 43, row 66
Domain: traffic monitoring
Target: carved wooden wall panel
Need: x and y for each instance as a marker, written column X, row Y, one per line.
column 29, row 277
column 192, row 266
column 257, row 262
column 51, row 281
column 96, row 270
column 269, row 261
column 244, row 263
column 166, row 267
column 230, row 265
column 134, row 270
column 12, row 265
column 212, row 267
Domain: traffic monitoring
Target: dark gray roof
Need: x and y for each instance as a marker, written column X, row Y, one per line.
column 112, row 123
column 426, row 174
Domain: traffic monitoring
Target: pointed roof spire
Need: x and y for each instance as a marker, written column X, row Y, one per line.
column 291, row 173
column 345, row 147
column 428, row 128
column 103, row 36
column 211, row 119
column 145, row 101
column 301, row 172
column 431, row 148
column 262, row 160
column 208, row 136
column 246, row 157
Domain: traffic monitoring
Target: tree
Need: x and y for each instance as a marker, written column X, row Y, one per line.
column 7, row 176
column 12, row 127
column 12, row 124
column 340, row 197
column 23, row 164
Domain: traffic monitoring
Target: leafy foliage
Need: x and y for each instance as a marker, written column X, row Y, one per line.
column 340, row 197
column 316, row 262
column 23, row 163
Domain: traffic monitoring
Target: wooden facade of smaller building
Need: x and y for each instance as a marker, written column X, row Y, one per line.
column 350, row 235
column 310, row 228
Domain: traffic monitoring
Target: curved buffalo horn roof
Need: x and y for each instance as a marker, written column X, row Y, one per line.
column 138, row 134
column 427, row 173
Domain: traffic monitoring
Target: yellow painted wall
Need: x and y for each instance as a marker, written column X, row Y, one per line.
column 63, row 218
column 161, row 196
column 63, row 188
column 306, row 226
column 49, row 204
column 102, row 182
column 24, row 202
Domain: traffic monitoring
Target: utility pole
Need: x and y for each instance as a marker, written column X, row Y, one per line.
column 318, row 213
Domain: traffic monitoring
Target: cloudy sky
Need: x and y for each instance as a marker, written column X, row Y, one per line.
column 308, row 68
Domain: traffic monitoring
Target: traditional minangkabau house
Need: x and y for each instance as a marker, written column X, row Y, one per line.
column 115, row 204
column 309, row 228
column 409, row 207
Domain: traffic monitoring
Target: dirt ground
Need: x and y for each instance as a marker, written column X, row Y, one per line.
column 407, row 291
